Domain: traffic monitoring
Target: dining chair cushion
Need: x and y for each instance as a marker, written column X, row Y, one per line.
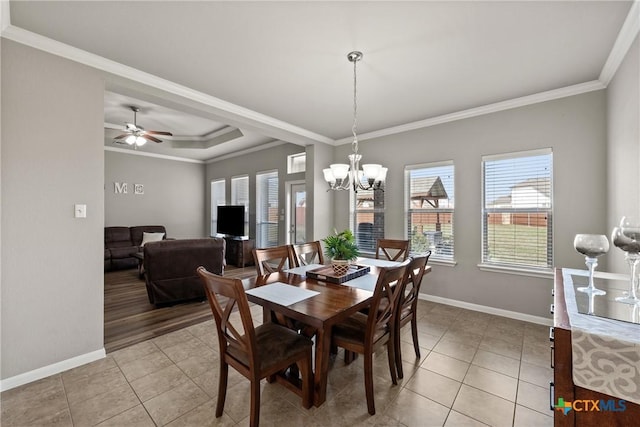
column 354, row 329
column 274, row 343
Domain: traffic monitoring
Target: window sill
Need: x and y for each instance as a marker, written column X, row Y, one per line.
column 443, row 262
column 519, row 271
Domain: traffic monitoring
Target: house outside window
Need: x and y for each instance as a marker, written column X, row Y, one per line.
column 240, row 196
column 218, row 195
column 429, row 192
column 367, row 218
column 517, row 201
column 267, row 209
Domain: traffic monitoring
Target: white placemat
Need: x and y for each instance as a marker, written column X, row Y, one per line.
column 377, row 262
column 366, row 282
column 281, row 293
column 303, row 269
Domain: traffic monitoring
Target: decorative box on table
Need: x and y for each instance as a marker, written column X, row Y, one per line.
column 326, row 273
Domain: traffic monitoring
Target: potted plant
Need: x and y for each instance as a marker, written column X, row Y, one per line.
column 341, row 248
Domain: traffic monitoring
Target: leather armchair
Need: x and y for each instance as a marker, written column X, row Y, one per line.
column 170, row 268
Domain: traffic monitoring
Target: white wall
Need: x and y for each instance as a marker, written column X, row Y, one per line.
column 52, row 158
column 623, row 136
column 173, row 194
column 573, row 127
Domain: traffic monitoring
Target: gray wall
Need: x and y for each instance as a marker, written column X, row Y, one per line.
column 52, row 158
column 319, row 200
column 274, row 158
column 623, row 136
column 173, row 194
column 573, row 127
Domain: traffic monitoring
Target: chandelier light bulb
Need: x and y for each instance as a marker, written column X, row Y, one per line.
column 328, row 176
column 131, row 139
column 140, row 141
column 340, row 170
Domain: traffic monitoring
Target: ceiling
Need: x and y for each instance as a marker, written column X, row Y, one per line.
column 284, row 63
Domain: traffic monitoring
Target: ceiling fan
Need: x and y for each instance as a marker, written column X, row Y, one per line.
column 136, row 135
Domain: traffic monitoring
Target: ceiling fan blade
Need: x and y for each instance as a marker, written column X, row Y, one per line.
column 124, row 135
column 155, row 132
column 150, row 138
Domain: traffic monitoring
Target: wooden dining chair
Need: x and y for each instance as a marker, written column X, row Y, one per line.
column 406, row 309
column 271, row 260
column 307, row 253
column 365, row 333
column 393, row 250
column 258, row 352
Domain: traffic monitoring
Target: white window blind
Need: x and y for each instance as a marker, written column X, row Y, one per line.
column 240, row 196
column 517, row 209
column 267, row 209
column 367, row 218
column 430, row 208
column 218, row 195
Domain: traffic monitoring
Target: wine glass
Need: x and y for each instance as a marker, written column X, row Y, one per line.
column 627, row 238
column 591, row 246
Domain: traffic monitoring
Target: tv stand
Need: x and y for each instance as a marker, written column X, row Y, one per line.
column 239, row 251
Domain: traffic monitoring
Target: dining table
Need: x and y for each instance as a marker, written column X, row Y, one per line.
column 320, row 304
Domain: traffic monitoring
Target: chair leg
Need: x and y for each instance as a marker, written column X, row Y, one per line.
column 349, row 356
column 398, row 351
column 414, row 332
column 368, row 382
column 222, row 386
column 391, row 355
column 254, row 417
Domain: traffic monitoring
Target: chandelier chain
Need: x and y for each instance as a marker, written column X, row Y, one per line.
column 354, row 128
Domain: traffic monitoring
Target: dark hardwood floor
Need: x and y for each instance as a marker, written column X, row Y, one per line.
column 129, row 318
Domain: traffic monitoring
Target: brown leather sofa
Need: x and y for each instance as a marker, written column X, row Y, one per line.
column 121, row 242
column 170, row 268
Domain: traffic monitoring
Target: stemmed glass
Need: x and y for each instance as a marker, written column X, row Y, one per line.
column 591, row 246
column 627, row 238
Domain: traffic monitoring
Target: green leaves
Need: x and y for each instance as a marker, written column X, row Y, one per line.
column 341, row 246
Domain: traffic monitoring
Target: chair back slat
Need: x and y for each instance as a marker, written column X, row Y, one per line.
column 307, row 253
column 224, row 296
column 411, row 284
column 271, row 260
column 387, row 288
column 391, row 249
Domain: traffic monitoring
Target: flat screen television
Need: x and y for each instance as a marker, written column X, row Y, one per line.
column 231, row 220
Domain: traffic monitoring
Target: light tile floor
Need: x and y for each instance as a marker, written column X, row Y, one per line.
column 474, row 369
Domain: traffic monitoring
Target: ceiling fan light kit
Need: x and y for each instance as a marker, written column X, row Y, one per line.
column 136, row 135
column 342, row 176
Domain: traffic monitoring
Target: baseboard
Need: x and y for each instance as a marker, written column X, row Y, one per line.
column 52, row 369
column 489, row 310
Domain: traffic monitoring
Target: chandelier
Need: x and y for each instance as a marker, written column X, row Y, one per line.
column 342, row 176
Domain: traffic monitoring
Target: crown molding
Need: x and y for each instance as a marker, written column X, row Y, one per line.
column 623, row 43
column 147, row 154
column 479, row 111
column 247, row 151
column 225, row 109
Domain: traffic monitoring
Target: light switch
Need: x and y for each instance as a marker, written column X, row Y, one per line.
column 80, row 211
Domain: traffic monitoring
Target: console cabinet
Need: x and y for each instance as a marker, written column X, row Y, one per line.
column 563, row 386
column 239, row 252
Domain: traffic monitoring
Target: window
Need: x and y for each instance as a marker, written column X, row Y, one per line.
column 267, row 209
column 517, row 205
column 240, row 196
column 367, row 218
column 430, row 207
column 218, row 195
column 297, row 163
